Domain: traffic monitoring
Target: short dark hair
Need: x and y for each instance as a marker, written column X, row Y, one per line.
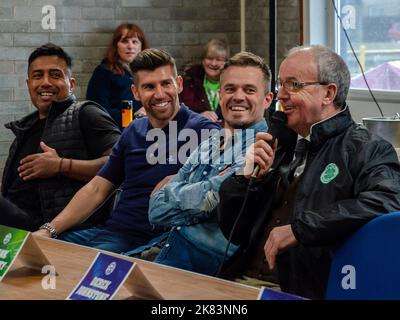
column 50, row 49
column 151, row 59
column 248, row 59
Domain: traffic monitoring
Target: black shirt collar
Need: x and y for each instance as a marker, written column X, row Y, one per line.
column 322, row 131
column 58, row 107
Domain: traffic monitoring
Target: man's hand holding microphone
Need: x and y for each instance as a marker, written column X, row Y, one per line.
column 261, row 154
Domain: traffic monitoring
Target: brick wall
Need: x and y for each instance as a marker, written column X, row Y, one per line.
column 83, row 28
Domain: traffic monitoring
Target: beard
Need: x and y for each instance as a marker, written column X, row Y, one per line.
column 237, row 124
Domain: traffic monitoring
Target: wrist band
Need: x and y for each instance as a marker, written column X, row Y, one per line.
column 70, row 165
column 60, row 166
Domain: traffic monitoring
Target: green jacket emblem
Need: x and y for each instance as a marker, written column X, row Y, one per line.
column 331, row 171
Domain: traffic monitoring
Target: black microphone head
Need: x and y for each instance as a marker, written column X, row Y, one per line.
column 279, row 118
column 277, row 123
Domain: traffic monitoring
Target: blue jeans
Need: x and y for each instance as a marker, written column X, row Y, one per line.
column 178, row 252
column 101, row 238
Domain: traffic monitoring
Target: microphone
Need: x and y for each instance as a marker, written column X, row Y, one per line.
column 278, row 121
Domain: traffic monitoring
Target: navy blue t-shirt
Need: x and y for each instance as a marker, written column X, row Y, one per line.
column 129, row 167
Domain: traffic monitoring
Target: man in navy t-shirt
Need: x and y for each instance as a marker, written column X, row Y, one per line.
column 149, row 150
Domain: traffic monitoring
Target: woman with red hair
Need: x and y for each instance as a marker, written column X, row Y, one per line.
column 111, row 81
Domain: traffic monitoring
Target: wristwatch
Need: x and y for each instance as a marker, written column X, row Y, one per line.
column 47, row 226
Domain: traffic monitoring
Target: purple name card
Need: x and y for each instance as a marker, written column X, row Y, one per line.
column 103, row 278
column 268, row 294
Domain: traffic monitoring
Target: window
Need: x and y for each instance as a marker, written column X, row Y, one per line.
column 373, row 27
column 320, row 26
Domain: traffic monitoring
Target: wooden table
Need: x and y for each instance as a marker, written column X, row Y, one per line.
column 71, row 261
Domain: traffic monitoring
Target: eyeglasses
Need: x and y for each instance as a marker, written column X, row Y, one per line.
column 296, row 86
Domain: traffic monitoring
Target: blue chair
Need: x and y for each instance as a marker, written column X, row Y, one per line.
column 367, row 265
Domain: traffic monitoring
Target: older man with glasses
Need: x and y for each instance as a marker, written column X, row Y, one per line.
column 298, row 210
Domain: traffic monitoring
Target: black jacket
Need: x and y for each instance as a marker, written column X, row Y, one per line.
column 326, row 211
column 63, row 133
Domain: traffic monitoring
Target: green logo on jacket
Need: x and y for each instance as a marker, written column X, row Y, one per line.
column 331, row 171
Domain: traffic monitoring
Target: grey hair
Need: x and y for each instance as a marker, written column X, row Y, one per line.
column 331, row 69
column 215, row 47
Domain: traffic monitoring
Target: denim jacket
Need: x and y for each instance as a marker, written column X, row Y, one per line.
column 188, row 201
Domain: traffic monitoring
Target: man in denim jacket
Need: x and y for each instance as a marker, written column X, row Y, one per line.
column 187, row 203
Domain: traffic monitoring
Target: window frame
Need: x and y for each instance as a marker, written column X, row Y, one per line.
column 320, row 26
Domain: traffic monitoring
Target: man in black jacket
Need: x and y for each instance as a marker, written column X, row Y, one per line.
column 57, row 148
column 295, row 215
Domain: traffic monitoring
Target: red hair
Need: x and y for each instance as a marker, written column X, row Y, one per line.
column 111, row 58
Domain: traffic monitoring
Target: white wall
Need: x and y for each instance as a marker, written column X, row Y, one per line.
column 362, row 105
